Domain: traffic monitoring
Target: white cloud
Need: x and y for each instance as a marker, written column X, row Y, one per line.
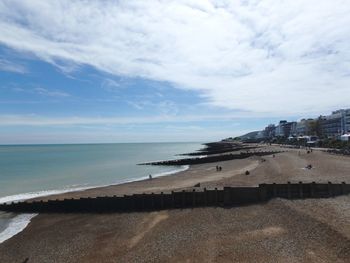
column 39, row 120
column 260, row 56
column 113, row 136
column 164, row 107
column 39, row 91
column 9, row 66
column 50, row 93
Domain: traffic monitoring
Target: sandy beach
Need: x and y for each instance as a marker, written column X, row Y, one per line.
column 313, row 230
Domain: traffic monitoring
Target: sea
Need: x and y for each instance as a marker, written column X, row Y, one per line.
column 28, row 171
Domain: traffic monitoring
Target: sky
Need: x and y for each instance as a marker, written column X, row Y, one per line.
column 77, row 71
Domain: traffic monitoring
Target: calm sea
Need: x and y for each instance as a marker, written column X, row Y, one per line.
column 27, row 171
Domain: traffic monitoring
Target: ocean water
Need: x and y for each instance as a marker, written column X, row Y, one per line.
column 28, row 171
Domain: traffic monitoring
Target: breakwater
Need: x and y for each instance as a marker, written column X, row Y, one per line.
column 226, row 197
column 212, row 159
column 220, row 147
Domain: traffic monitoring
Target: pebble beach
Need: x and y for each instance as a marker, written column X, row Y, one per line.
column 311, row 230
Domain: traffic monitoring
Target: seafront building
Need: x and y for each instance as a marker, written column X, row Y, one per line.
column 304, row 127
column 335, row 124
column 330, row 126
column 269, row 131
column 279, row 130
column 345, row 137
column 283, row 129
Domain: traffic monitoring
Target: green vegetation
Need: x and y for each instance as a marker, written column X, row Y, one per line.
column 333, row 143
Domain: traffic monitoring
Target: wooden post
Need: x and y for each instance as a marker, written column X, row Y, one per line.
column 312, row 189
column 205, row 197
column 343, row 190
column 161, row 200
column 173, row 198
column 125, row 203
column 330, row 190
column 143, row 207
column 133, row 202
column 289, row 194
column 152, row 201
column 263, row 192
column 183, row 198
column 194, row 197
column 274, row 190
column 301, row 193
column 227, row 196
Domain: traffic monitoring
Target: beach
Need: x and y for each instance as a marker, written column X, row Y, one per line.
column 312, row 230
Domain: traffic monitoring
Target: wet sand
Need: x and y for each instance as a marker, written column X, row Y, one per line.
column 313, row 230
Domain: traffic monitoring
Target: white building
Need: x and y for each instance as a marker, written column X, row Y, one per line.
column 336, row 124
column 303, row 127
column 345, row 137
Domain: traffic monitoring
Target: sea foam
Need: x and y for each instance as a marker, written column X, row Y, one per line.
column 16, row 225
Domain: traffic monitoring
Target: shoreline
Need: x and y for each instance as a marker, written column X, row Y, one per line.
column 171, row 179
column 200, row 173
column 202, row 233
column 177, row 179
column 178, row 168
column 19, row 222
column 46, row 193
column 16, row 225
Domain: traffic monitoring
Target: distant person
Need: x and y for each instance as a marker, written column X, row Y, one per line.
column 150, row 177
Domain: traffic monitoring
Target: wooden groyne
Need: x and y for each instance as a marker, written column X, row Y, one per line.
column 226, row 197
column 219, row 147
column 212, row 159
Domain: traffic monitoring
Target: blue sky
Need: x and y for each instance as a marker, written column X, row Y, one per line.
column 131, row 71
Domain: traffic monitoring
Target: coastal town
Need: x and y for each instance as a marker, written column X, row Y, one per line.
column 174, row 131
column 204, row 214
column 320, row 131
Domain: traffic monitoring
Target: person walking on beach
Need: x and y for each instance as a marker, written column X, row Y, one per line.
column 150, row 177
column 218, row 168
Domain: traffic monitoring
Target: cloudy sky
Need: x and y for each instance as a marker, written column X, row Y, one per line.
column 194, row 70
